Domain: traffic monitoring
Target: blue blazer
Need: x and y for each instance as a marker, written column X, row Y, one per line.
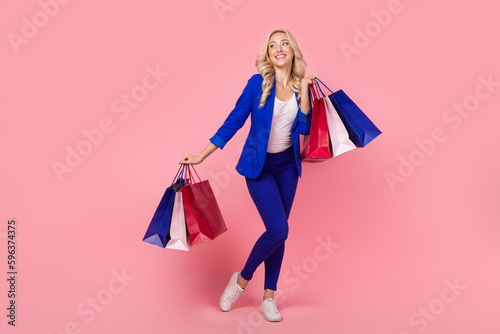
column 254, row 151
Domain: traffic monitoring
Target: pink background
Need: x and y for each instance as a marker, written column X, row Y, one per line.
column 396, row 248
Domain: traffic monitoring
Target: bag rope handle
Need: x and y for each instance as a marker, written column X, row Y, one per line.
column 315, row 86
column 323, row 85
column 199, row 179
column 177, row 174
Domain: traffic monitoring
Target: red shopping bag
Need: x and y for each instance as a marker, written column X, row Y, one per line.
column 203, row 217
column 317, row 146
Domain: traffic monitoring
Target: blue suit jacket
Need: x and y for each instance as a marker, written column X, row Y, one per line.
column 254, row 151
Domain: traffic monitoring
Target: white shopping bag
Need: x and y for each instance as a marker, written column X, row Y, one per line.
column 179, row 238
column 338, row 133
column 339, row 137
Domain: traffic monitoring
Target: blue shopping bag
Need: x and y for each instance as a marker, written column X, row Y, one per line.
column 361, row 129
column 157, row 232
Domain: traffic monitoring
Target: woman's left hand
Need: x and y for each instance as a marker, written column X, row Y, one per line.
column 308, row 81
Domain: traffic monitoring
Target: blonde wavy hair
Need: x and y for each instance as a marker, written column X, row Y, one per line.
column 265, row 67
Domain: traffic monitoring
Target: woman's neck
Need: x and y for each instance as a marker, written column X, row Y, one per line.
column 282, row 76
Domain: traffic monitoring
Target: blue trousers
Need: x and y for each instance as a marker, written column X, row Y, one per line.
column 273, row 192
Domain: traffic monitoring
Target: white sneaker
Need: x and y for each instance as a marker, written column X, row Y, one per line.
column 268, row 308
column 231, row 293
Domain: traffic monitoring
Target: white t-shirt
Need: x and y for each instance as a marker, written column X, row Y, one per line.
column 284, row 113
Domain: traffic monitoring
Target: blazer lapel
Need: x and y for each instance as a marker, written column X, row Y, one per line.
column 270, row 104
column 296, row 121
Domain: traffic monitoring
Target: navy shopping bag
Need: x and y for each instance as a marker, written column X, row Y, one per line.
column 157, row 233
column 361, row 129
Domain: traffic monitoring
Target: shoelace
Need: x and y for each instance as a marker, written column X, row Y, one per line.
column 271, row 306
column 232, row 297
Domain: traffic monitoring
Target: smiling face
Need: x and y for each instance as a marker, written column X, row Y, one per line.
column 280, row 50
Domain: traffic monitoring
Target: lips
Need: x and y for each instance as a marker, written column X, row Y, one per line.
column 280, row 56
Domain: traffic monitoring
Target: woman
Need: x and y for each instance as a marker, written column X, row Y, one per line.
column 270, row 160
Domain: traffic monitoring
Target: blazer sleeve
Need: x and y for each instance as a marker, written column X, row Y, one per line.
column 237, row 117
column 305, row 120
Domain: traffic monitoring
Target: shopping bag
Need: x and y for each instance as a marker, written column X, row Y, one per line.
column 203, row 216
column 317, row 145
column 338, row 132
column 178, row 229
column 360, row 128
column 157, row 232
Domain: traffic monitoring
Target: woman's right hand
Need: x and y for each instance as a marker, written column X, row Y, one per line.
column 190, row 159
